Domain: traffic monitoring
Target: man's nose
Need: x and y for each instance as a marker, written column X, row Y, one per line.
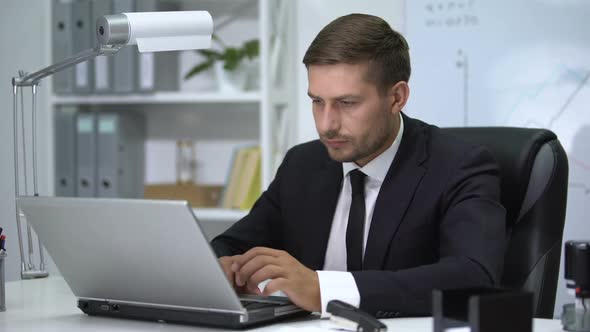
column 329, row 120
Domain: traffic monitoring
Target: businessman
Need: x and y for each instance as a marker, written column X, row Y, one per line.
column 382, row 208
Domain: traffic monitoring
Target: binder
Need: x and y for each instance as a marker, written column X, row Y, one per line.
column 121, row 158
column 146, row 65
column 167, row 72
column 61, row 31
column 157, row 71
column 233, row 179
column 131, row 154
column 243, row 183
column 65, row 151
column 107, row 163
column 124, row 61
column 254, row 188
column 145, row 72
column 86, row 154
column 103, row 67
column 83, row 31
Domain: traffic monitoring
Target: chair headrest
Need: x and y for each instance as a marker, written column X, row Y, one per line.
column 515, row 150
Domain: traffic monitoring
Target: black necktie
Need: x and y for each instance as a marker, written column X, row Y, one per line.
column 356, row 222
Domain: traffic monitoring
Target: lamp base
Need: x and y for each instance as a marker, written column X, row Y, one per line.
column 34, row 274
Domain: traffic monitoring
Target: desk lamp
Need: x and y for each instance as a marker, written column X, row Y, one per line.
column 151, row 32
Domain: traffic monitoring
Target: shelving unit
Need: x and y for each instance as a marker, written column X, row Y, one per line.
column 270, row 22
column 219, row 215
column 160, row 98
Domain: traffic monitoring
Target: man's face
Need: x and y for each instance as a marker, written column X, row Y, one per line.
column 353, row 120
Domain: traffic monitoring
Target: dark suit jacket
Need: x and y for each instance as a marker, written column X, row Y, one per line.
column 437, row 221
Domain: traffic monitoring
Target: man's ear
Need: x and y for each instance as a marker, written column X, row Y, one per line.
column 398, row 96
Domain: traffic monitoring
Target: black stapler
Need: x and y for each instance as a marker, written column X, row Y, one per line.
column 352, row 318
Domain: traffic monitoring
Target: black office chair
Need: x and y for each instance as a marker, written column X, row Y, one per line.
column 534, row 180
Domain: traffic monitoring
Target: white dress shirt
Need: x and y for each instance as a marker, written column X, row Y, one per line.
column 335, row 282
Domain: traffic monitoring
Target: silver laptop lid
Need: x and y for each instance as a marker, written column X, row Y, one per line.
column 135, row 251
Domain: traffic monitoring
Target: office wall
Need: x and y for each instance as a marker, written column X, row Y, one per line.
column 509, row 63
column 311, row 17
column 24, row 39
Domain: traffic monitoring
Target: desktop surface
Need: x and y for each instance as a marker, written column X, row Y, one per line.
column 49, row 305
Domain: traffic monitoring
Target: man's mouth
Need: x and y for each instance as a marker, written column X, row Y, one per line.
column 335, row 143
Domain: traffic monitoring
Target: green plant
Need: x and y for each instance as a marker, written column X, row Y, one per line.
column 231, row 56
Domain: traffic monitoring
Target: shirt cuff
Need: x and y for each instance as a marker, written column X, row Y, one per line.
column 337, row 285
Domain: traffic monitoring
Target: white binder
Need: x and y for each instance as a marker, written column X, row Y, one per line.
column 83, row 30
column 103, row 66
column 86, row 154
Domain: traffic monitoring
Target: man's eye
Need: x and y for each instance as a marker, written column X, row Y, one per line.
column 315, row 101
column 347, row 103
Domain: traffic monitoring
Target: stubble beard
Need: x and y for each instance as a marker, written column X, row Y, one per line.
column 359, row 150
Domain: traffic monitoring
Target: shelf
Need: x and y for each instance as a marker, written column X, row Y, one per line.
column 161, row 98
column 219, row 215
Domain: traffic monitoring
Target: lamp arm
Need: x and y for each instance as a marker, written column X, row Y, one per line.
column 28, row 271
column 34, row 78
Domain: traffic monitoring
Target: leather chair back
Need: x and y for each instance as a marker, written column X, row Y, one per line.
column 534, row 181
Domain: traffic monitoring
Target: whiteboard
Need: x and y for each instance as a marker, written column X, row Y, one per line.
column 508, row 63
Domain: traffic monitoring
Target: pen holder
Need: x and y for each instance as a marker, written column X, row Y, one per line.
column 2, row 282
column 483, row 310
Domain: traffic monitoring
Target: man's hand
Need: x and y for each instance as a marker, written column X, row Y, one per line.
column 288, row 275
column 226, row 264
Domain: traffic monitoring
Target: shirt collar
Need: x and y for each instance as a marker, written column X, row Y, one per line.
column 378, row 167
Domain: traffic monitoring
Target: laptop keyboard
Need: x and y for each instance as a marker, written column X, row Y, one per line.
column 251, row 305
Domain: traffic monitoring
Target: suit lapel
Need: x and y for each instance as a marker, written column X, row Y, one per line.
column 396, row 194
column 322, row 201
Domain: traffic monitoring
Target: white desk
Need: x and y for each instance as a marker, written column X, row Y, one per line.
column 48, row 305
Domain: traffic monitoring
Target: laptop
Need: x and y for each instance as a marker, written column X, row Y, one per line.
column 144, row 259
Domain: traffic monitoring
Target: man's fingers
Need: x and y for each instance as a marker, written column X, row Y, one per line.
column 275, row 285
column 248, row 263
column 257, row 251
column 266, row 272
column 252, row 266
column 226, row 263
column 252, row 289
column 230, row 276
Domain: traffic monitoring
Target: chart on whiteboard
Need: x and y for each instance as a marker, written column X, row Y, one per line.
column 508, row 63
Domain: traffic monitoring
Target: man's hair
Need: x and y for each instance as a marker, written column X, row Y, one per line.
column 358, row 38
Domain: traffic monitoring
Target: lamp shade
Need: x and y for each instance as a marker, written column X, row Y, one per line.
column 157, row 31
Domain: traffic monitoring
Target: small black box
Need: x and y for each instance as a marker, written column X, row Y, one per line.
column 483, row 310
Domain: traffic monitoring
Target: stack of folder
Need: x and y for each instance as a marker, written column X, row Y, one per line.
column 126, row 72
column 243, row 186
column 99, row 153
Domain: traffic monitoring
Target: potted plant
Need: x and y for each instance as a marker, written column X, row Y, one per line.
column 228, row 63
